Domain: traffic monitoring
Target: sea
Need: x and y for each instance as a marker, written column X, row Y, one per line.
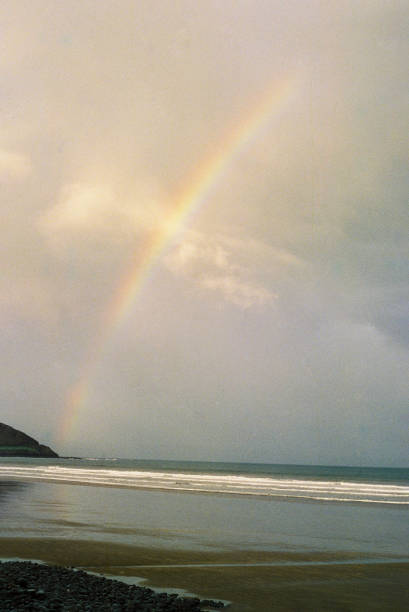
column 207, row 505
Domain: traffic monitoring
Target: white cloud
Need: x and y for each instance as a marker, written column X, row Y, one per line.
column 81, row 207
column 14, row 166
column 91, row 210
column 240, row 293
column 212, row 265
column 196, row 253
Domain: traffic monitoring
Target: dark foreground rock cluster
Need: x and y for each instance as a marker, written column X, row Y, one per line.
column 33, row 587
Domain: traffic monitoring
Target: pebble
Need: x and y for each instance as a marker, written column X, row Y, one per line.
column 31, row 587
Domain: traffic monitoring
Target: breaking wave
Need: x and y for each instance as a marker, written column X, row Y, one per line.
column 296, row 489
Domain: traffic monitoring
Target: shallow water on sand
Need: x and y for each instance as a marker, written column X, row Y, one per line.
column 193, row 520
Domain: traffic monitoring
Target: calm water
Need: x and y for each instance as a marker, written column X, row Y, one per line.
column 161, row 503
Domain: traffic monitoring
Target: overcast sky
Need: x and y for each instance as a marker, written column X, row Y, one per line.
column 274, row 326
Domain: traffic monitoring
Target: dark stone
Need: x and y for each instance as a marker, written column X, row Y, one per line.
column 27, row 586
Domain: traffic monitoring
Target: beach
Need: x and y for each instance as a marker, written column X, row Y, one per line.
column 249, row 580
column 246, row 550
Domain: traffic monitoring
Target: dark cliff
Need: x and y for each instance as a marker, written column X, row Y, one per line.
column 15, row 443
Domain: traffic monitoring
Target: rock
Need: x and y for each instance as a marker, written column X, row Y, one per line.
column 28, row 586
column 15, row 443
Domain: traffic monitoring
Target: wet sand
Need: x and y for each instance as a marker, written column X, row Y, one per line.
column 293, row 581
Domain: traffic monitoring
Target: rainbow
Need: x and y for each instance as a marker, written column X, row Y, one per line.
column 188, row 202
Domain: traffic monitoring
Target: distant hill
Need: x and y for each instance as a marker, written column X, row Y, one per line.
column 15, row 443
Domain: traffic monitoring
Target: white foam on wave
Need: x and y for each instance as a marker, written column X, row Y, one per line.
column 283, row 488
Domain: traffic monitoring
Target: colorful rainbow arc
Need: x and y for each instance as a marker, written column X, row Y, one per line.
column 188, row 202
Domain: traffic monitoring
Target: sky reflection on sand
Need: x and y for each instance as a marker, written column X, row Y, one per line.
column 185, row 520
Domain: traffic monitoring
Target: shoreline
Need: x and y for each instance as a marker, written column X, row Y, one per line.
column 250, row 579
column 209, row 493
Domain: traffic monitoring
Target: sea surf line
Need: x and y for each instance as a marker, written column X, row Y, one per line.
column 260, row 486
column 186, row 204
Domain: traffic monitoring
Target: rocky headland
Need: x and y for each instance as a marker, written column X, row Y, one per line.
column 15, row 443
